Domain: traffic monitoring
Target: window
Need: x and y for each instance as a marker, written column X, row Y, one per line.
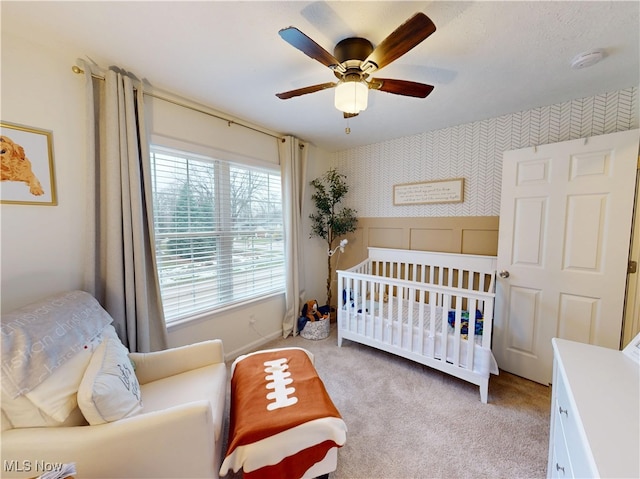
column 218, row 232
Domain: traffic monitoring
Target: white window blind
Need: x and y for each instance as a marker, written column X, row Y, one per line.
column 218, row 231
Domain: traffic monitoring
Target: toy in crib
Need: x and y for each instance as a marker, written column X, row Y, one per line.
column 376, row 296
column 344, row 298
column 464, row 324
column 352, row 303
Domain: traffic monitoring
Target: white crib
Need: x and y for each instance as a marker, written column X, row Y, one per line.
column 406, row 301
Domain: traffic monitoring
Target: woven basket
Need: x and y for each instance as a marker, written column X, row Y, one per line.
column 316, row 329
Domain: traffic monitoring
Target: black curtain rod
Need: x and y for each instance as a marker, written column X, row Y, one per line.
column 76, row 69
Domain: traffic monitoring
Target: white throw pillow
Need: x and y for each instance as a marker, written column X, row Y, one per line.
column 56, row 395
column 23, row 413
column 109, row 390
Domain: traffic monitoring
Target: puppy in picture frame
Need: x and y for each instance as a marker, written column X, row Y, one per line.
column 15, row 166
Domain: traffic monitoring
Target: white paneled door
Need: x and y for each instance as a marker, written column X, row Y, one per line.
column 563, row 248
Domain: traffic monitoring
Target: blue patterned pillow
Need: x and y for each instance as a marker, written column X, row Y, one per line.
column 464, row 327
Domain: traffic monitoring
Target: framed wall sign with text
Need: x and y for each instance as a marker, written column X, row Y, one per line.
column 427, row 192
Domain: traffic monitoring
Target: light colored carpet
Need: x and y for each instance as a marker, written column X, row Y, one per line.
column 406, row 420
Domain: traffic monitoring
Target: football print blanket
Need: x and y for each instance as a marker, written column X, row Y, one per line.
column 282, row 419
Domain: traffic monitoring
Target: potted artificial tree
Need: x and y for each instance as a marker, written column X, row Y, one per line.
column 331, row 221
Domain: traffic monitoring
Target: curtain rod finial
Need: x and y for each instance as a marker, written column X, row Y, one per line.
column 77, row 69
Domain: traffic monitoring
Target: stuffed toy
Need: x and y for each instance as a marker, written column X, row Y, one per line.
column 310, row 311
column 344, row 298
column 376, row 296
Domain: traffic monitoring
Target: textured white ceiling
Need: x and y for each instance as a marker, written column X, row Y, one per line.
column 485, row 59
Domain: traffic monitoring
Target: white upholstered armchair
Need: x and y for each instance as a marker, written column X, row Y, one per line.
column 167, row 424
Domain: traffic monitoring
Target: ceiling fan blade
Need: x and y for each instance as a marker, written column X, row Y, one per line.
column 401, row 40
column 303, row 91
column 306, row 45
column 401, row 87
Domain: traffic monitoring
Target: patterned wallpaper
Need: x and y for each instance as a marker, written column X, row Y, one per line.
column 473, row 151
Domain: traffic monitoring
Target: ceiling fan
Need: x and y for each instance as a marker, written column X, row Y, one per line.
column 355, row 59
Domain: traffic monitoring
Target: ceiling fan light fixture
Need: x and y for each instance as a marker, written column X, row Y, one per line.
column 351, row 96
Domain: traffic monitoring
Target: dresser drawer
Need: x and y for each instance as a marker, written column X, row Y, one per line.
column 568, row 420
column 560, row 465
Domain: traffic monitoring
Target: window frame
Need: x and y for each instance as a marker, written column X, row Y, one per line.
column 223, row 162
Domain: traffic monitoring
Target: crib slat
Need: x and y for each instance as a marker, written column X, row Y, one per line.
column 457, row 330
column 367, row 306
column 471, row 336
column 421, row 304
column 487, row 324
column 401, row 316
column 444, row 327
column 411, row 301
column 341, row 310
column 380, row 302
column 356, row 300
column 364, row 307
column 389, row 317
column 360, row 305
column 351, row 299
column 433, row 307
column 346, row 285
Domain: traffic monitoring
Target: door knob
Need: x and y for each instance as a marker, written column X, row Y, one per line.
column 503, row 274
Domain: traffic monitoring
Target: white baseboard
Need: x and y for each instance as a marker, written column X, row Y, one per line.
column 247, row 348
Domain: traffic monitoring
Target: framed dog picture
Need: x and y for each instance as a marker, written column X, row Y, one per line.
column 27, row 170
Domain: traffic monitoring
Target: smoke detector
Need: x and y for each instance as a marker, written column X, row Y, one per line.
column 586, row 59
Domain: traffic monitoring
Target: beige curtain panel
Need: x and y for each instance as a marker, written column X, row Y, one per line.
column 121, row 271
column 293, row 163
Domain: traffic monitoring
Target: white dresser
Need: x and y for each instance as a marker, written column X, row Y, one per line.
column 595, row 413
